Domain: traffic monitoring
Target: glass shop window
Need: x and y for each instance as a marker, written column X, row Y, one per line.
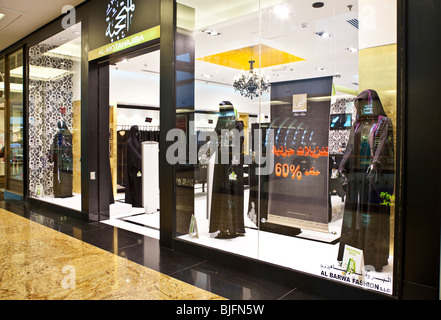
column 294, row 121
column 55, row 119
column 2, row 125
column 14, row 150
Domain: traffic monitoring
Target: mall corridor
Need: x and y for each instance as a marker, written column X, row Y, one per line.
column 45, row 256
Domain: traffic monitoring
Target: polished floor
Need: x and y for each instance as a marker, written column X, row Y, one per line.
column 44, row 254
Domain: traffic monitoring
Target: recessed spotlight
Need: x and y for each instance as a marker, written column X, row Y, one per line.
column 352, row 49
column 77, row 33
column 323, row 34
column 64, row 39
column 2, row 16
column 211, row 32
column 318, row 5
column 320, row 69
column 125, row 61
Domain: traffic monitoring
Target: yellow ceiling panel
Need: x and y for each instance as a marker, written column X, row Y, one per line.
column 239, row 58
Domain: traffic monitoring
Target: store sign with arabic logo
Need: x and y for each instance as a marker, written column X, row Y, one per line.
column 119, row 16
column 122, row 29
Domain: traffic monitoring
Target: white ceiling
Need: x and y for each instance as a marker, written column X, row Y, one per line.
column 239, row 23
column 22, row 17
column 295, row 33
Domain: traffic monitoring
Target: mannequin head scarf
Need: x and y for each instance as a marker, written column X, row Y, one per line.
column 369, row 107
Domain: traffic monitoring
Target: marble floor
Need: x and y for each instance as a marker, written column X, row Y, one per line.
column 45, row 255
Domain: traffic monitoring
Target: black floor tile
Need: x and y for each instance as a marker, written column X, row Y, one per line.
column 164, row 260
column 298, row 294
column 231, row 283
column 111, row 239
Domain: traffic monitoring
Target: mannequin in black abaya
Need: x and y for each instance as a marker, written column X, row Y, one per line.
column 227, row 207
column 133, row 188
column 368, row 166
column 62, row 157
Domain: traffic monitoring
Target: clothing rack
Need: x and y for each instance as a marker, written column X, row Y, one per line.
column 142, row 128
column 205, row 129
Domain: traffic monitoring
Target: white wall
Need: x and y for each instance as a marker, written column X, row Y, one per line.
column 143, row 89
column 134, row 88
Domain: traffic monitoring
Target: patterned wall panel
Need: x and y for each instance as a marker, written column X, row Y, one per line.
column 50, row 100
column 339, row 138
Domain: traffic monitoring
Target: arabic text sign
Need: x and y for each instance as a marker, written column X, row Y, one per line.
column 119, row 16
column 139, row 38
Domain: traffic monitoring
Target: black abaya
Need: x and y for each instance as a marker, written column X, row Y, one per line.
column 133, row 188
column 227, row 208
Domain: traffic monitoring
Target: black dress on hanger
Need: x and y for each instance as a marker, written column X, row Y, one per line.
column 227, row 207
column 133, row 187
column 368, row 165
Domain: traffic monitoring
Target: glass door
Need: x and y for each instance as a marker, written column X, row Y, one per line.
column 14, row 123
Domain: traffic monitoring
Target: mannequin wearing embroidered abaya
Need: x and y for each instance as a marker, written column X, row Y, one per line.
column 62, row 157
column 227, row 208
column 368, row 165
column 133, row 191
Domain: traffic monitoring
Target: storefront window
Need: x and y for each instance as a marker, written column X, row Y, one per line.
column 55, row 119
column 14, row 155
column 296, row 105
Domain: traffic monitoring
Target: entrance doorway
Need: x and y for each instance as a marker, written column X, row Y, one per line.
column 134, row 143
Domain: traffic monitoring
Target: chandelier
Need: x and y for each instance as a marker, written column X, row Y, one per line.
column 251, row 85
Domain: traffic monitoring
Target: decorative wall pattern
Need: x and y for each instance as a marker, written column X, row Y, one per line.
column 49, row 101
column 338, row 139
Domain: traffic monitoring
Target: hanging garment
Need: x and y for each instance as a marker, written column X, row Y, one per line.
column 227, row 207
column 62, row 156
column 133, row 190
column 122, row 138
column 368, row 165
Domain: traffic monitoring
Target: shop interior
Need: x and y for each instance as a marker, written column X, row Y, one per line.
column 290, row 42
column 134, row 102
column 287, row 41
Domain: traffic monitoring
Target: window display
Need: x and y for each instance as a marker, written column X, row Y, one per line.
column 55, row 119
column 311, row 186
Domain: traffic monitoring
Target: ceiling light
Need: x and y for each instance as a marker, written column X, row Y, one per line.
column 211, row 32
column 323, row 34
column 125, row 61
column 251, row 85
column 64, row 39
column 279, row 68
column 352, row 49
column 2, row 16
column 320, row 69
column 41, row 73
column 318, row 5
column 281, row 11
